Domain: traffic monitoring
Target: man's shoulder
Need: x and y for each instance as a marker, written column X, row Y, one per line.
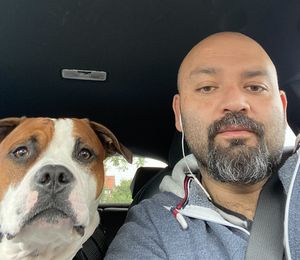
column 152, row 206
column 162, row 199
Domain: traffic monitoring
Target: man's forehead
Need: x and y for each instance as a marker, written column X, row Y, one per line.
column 206, row 58
column 210, row 59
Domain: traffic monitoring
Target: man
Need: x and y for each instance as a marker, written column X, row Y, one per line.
column 234, row 117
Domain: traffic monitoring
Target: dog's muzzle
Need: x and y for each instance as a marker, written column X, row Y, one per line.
column 54, row 183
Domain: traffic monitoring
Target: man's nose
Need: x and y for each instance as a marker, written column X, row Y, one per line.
column 234, row 100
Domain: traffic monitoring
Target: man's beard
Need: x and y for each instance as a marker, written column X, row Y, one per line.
column 238, row 163
column 246, row 165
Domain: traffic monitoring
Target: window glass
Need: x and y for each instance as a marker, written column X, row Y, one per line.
column 118, row 177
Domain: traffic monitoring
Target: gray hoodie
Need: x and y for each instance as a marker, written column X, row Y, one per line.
column 182, row 223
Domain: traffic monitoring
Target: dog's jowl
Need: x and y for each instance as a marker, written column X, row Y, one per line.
column 51, row 177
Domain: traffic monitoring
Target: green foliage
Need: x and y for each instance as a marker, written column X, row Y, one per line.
column 120, row 194
column 121, row 164
column 117, row 162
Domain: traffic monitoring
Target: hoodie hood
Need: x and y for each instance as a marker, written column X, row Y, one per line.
column 174, row 183
column 196, row 202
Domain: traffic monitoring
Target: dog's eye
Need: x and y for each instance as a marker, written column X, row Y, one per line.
column 85, row 154
column 21, row 152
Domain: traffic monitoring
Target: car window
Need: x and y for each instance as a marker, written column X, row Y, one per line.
column 118, row 177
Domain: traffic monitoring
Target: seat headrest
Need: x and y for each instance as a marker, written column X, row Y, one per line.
column 141, row 177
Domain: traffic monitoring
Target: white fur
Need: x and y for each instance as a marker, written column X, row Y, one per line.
column 51, row 242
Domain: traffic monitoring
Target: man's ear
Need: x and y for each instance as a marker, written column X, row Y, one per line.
column 9, row 124
column 110, row 142
column 284, row 102
column 177, row 113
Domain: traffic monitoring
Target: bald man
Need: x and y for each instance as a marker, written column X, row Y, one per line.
column 233, row 117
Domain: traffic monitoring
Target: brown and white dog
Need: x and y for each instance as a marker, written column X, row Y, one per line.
column 51, row 176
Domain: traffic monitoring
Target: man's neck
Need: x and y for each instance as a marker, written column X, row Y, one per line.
column 239, row 198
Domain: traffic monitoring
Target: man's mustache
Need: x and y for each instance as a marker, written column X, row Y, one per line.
column 235, row 119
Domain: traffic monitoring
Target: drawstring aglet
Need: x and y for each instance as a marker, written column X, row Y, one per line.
column 180, row 218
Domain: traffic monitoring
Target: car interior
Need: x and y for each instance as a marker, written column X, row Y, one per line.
column 116, row 62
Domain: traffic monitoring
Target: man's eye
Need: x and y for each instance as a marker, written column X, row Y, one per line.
column 206, row 89
column 256, row 88
column 85, row 154
column 21, row 152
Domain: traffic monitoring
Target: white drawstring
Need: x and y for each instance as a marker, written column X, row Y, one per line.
column 190, row 172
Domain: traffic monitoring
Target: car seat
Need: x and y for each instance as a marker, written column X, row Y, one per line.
column 151, row 187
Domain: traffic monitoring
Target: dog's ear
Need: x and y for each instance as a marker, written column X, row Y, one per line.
column 9, row 124
column 110, row 142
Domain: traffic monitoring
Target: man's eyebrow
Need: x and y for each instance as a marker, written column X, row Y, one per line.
column 205, row 71
column 254, row 73
column 213, row 71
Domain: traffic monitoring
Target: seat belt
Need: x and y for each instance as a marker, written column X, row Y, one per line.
column 94, row 248
column 266, row 237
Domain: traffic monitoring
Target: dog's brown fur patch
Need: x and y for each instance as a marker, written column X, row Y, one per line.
column 82, row 129
column 42, row 129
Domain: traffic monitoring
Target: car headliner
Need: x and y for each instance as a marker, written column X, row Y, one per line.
column 140, row 45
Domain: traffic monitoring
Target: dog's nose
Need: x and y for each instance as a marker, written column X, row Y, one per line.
column 53, row 178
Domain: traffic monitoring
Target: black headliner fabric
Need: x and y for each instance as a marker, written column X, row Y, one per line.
column 140, row 44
